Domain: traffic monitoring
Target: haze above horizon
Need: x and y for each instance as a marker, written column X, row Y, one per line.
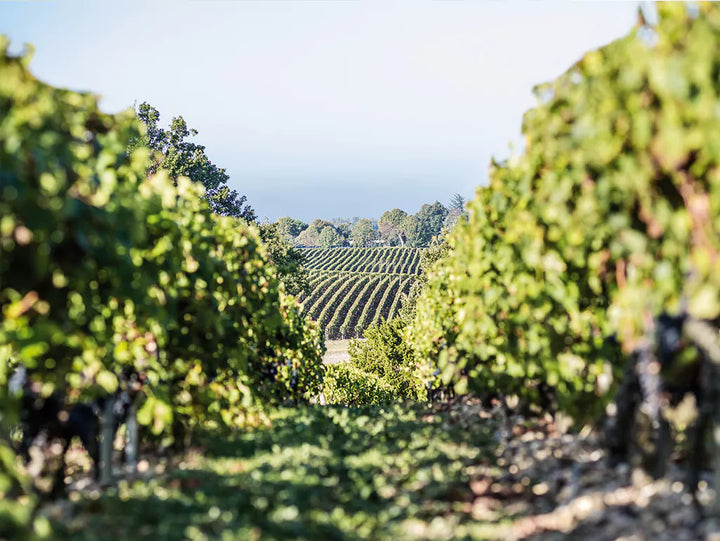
column 324, row 109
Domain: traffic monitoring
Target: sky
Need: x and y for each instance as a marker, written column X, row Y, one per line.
column 324, row 109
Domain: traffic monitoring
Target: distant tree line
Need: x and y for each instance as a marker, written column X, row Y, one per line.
column 173, row 152
column 394, row 228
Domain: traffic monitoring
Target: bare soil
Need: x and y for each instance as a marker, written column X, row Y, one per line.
column 337, row 351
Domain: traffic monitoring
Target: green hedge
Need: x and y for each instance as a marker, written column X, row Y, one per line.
column 610, row 216
column 386, row 353
column 347, row 385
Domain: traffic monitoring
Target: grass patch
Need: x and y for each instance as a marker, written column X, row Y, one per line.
column 317, row 473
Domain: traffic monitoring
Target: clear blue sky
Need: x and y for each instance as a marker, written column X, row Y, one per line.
column 324, row 109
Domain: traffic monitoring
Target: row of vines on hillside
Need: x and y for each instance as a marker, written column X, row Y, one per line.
column 339, row 315
column 610, row 217
column 339, row 289
column 345, row 304
column 349, row 326
column 383, row 307
column 396, row 260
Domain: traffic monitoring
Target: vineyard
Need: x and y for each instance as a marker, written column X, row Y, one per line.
column 556, row 375
column 386, row 260
column 352, row 288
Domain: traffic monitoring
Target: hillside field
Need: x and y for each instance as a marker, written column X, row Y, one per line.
column 352, row 288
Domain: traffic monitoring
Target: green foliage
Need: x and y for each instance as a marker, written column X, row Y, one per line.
column 101, row 267
column 412, row 230
column 73, row 224
column 290, row 228
column 329, row 237
column 394, row 217
column 344, row 229
column 347, row 385
column 390, row 227
column 61, row 164
column 287, row 259
column 379, row 472
column 363, row 233
column 608, row 218
column 17, row 501
column 394, row 228
column 453, row 217
column 319, row 233
column 386, row 353
column 428, row 224
column 297, row 350
column 428, row 258
column 182, row 158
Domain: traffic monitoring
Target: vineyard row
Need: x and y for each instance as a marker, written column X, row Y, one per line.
column 346, row 304
column 386, row 259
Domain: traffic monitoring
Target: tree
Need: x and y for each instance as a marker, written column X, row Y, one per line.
column 456, row 211
column 411, row 230
column 430, row 222
column 363, row 233
column 182, row 158
column 287, row 259
column 453, row 217
column 344, row 228
column 428, row 258
column 394, row 217
column 310, row 236
column 329, row 237
column 290, row 228
column 390, row 227
column 457, row 201
column 386, row 353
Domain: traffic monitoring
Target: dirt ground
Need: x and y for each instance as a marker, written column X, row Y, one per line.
column 337, row 351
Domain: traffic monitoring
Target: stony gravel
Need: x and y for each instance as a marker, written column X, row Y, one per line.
column 559, row 485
